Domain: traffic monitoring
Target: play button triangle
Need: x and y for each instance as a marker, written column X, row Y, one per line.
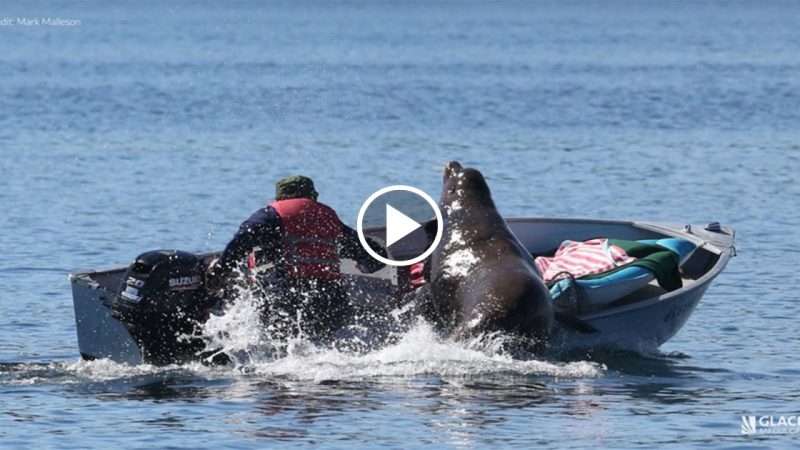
column 385, row 222
column 398, row 225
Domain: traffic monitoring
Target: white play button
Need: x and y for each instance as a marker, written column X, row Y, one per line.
column 398, row 225
column 394, row 215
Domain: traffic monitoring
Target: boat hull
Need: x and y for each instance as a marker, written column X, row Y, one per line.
column 641, row 328
column 100, row 335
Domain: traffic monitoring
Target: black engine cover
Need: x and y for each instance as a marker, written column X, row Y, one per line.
column 161, row 299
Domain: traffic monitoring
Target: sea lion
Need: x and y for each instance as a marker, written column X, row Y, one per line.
column 482, row 278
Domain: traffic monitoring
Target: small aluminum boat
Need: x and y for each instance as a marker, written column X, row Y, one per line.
column 639, row 316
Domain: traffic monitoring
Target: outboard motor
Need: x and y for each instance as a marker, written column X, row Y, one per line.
column 161, row 300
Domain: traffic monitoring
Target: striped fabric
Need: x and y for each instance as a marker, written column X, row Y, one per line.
column 581, row 259
column 417, row 275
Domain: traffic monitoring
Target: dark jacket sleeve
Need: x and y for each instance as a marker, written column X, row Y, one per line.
column 262, row 229
column 350, row 248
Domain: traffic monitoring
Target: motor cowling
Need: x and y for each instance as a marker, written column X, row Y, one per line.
column 161, row 300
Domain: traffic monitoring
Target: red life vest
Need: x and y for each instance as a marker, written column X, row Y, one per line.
column 309, row 230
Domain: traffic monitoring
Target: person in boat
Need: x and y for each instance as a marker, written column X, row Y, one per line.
column 293, row 248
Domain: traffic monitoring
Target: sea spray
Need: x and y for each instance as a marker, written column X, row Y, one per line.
column 239, row 330
column 420, row 352
column 396, row 343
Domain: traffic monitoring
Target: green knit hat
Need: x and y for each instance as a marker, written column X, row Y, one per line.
column 295, row 187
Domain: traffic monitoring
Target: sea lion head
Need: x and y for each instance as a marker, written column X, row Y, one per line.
column 464, row 187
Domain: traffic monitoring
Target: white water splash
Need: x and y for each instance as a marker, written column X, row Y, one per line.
column 240, row 333
column 420, row 352
column 454, row 206
column 459, row 263
column 106, row 370
column 415, row 350
column 412, row 350
column 475, row 321
column 456, row 239
column 236, row 332
column 461, row 260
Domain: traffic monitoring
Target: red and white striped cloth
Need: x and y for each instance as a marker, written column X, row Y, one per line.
column 581, row 259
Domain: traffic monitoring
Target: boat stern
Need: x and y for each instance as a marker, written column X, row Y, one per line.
column 100, row 335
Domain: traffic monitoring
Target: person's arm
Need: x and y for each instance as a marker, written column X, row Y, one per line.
column 350, row 248
column 262, row 229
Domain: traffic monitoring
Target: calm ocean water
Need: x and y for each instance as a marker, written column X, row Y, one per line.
column 163, row 125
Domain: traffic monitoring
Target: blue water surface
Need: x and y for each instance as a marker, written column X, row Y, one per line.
column 163, row 125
